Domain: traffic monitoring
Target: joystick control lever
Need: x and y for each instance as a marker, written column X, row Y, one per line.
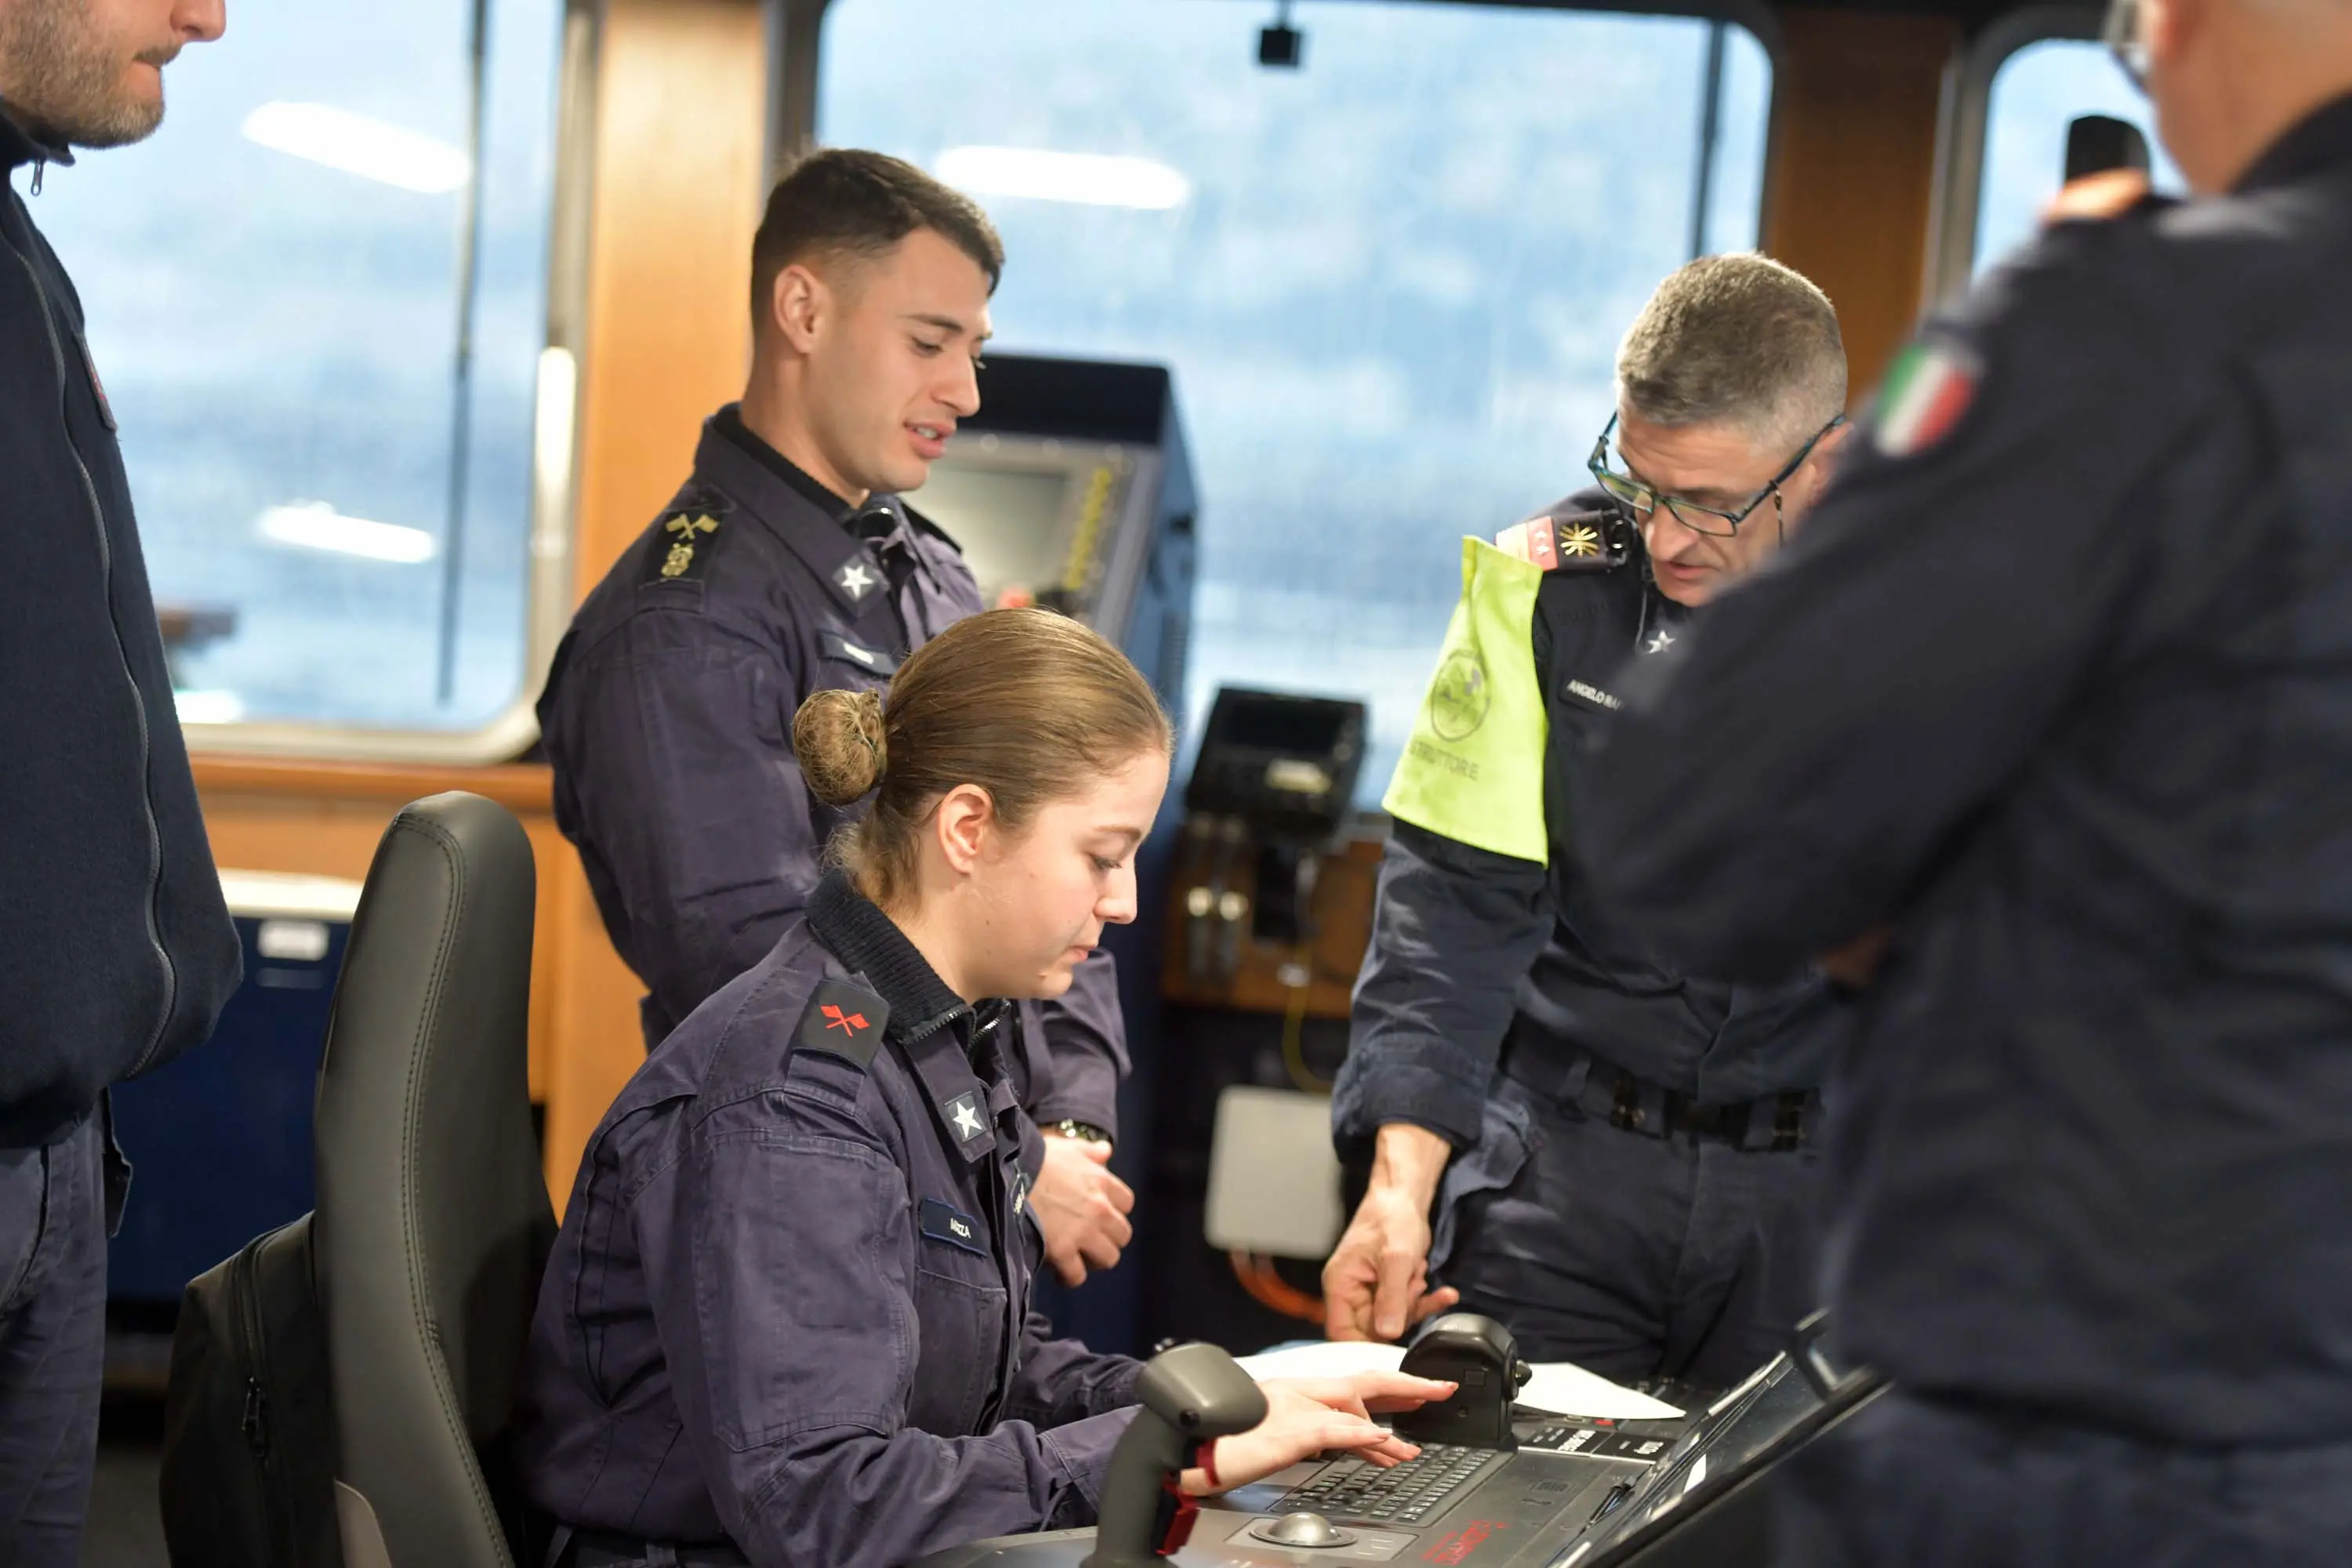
column 1480, row 1356
column 1190, row 1395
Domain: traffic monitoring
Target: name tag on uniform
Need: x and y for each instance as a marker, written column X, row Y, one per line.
column 1585, row 692
column 856, row 653
column 942, row 1223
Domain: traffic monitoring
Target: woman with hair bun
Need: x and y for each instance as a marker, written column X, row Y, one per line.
column 787, row 1322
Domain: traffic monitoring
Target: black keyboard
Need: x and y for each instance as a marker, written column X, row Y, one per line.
column 1403, row 1496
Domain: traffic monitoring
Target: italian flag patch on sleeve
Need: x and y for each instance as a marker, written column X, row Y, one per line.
column 1931, row 387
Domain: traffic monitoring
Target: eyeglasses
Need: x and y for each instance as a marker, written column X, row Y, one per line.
column 2121, row 35
column 1641, row 500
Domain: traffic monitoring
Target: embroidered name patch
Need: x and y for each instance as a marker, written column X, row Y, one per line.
column 856, row 655
column 1595, row 695
column 942, row 1223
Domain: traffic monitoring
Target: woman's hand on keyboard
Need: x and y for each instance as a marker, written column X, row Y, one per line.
column 1366, row 1393
column 1298, row 1426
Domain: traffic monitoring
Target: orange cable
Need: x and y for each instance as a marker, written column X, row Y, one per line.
column 1270, row 1289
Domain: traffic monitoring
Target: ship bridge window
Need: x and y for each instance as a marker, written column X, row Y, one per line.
column 1390, row 280
column 319, row 298
column 2037, row 93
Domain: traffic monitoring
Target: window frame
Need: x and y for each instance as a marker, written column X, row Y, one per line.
column 554, row 470
column 797, row 30
column 1967, row 113
column 797, row 68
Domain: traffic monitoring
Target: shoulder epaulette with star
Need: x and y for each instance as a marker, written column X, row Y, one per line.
column 686, row 535
column 842, row 1020
column 1568, row 541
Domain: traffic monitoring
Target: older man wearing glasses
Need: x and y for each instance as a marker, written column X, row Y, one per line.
column 1607, row 1154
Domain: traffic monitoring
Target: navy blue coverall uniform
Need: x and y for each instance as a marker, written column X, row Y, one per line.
column 2058, row 680
column 668, row 720
column 1626, row 1190
column 116, row 950
column 788, row 1305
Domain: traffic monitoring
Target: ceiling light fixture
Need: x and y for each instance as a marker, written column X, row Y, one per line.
column 1090, row 179
column 315, row 525
column 372, row 148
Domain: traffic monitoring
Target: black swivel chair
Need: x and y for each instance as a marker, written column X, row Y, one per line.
column 433, row 1222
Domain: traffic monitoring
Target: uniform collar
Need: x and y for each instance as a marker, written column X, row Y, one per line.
column 19, row 146
column 956, row 1049
column 728, row 422
column 870, row 942
column 840, row 561
column 2321, row 139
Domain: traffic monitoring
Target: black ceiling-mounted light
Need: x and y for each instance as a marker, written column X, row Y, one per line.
column 1281, row 47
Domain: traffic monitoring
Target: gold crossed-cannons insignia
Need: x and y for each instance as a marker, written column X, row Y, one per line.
column 682, row 553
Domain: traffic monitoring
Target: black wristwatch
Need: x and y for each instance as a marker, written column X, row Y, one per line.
column 1071, row 1127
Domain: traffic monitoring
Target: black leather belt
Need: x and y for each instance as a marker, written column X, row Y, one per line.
column 1775, row 1123
column 595, row 1549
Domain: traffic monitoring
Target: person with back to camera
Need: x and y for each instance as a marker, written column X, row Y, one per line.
column 786, row 1321
column 2043, row 733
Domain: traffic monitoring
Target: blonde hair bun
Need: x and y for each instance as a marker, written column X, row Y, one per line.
column 838, row 738
column 1025, row 705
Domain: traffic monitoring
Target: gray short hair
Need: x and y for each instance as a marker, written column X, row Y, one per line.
column 1740, row 340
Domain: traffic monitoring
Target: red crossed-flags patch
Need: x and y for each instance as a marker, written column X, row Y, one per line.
column 842, row 1020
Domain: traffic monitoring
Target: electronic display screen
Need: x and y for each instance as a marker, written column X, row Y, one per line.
column 1278, row 725
column 1013, row 523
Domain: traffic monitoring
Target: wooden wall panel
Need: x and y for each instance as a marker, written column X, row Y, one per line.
column 680, row 161
column 1853, row 175
column 681, row 153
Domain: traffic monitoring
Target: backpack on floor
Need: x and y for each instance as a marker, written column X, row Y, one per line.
column 249, row 1428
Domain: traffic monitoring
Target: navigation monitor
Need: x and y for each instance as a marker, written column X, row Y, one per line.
column 1046, row 519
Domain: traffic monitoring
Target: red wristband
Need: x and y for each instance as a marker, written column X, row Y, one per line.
column 1207, row 1460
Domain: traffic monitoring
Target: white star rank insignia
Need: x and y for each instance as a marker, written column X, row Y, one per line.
column 1660, row 640
column 964, row 1111
column 854, row 579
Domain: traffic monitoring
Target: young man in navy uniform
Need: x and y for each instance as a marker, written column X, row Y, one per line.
column 2060, row 688
column 1612, row 1145
column 787, row 563
column 116, row 950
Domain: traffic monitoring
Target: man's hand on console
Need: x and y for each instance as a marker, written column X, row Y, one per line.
column 1376, row 1285
column 1081, row 1207
column 1305, row 1417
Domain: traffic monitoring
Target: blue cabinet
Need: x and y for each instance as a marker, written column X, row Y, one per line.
column 220, row 1140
